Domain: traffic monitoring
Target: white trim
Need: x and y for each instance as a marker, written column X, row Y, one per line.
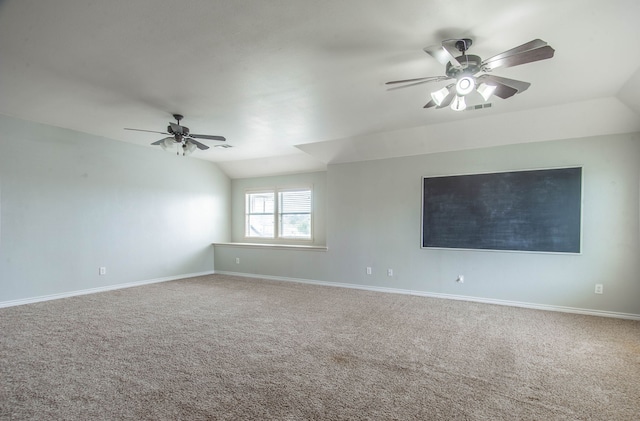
column 38, row 299
column 546, row 307
column 574, row 310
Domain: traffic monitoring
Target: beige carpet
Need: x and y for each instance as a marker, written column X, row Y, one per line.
column 220, row 347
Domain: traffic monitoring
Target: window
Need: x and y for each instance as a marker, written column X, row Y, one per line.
column 278, row 214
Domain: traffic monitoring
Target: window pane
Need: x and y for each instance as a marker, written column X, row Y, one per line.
column 294, row 219
column 298, row 201
column 259, row 217
column 259, row 226
column 260, row 202
column 295, row 226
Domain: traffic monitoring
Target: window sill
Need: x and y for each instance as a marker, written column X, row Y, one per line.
column 274, row 246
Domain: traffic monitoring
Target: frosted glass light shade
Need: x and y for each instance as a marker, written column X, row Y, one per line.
column 486, row 90
column 188, row 148
column 167, row 144
column 439, row 95
column 458, row 103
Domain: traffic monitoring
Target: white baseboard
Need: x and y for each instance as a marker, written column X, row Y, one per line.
column 574, row 310
column 99, row 289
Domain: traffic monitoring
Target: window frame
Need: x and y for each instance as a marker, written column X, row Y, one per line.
column 277, row 215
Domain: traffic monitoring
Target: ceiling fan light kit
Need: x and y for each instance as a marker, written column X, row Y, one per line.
column 465, row 68
column 181, row 139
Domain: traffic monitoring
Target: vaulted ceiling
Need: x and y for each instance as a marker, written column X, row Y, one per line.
column 295, row 85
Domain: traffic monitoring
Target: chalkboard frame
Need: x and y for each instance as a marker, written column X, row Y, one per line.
column 571, row 240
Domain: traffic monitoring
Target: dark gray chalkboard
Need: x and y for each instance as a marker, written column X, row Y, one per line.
column 535, row 210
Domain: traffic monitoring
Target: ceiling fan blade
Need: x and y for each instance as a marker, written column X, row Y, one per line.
column 530, row 56
column 442, row 54
column 430, row 104
column 177, row 129
column 519, row 85
column 206, row 136
column 148, row 131
column 504, row 91
column 435, row 79
column 157, row 142
column 531, row 45
column 200, row 146
column 419, row 79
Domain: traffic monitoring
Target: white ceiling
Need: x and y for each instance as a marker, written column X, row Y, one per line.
column 296, row 84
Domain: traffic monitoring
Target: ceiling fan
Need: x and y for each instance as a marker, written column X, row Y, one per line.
column 465, row 68
column 180, row 136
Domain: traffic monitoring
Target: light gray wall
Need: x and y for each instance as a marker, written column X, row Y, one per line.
column 72, row 202
column 312, row 265
column 373, row 219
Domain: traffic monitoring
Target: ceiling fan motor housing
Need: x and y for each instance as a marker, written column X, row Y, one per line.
column 463, row 44
column 470, row 66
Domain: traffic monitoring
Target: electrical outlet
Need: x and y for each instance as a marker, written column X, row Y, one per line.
column 460, row 279
column 369, row 270
column 599, row 289
column 389, row 272
column 237, row 260
column 102, row 270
